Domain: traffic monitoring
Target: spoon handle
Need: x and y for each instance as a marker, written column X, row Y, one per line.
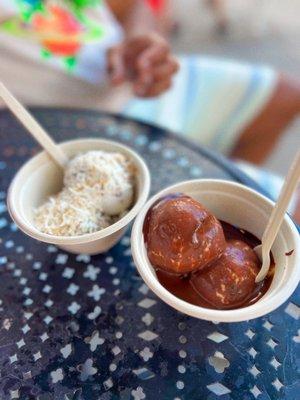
column 34, row 128
column 278, row 213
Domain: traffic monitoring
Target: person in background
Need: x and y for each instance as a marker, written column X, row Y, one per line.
column 112, row 56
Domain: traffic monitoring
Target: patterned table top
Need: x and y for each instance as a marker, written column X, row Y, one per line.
column 81, row 327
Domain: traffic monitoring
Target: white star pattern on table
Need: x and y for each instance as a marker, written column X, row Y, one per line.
column 9, row 244
column 275, row 363
column 293, row 310
column 94, row 341
column 95, row 313
column 83, row 258
column 68, row 273
column 23, row 281
column 57, row 375
column 217, row 337
column 147, row 319
column 146, row 354
column 138, row 393
column 108, row 384
column 13, row 226
column 37, row 265
column 125, row 241
column 271, row 343
column 2, row 207
column 254, row 371
column 61, row 259
column 28, row 315
column 144, row 289
column 3, row 223
column 116, row 350
column 249, row 333
column 26, row 291
column 28, row 302
column 17, row 273
column 43, row 276
column 37, row 356
column 49, row 303
column 47, row 319
column 87, row 370
column 11, row 266
column 13, row 358
column 181, row 369
column 14, row 394
column 218, row 362
column 182, row 354
column 277, row 384
column 112, row 367
column 268, row 325
column 27, row 375
column 180, row 385
column 146, row 303
column 51, row 249
column 218, row 389
column 182, row 339
column 91, row 272
column 72, row 289
column 19, row 249
column 25, row 328
column 96, row 292
column 66, row 350
column 7, row 324
column 74, row 307
column 252, row 352
column 143, row 373
column 148, row 335
column 255, row 391
column 113, row 270
column 44, row 337
column 119, row 320
column 296, row 338
column 127, row 252
column 47, row 289
column 20, row 343
column 109, row 260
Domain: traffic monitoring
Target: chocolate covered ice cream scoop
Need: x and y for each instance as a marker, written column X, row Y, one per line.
column 182, row 236
column 230, row 281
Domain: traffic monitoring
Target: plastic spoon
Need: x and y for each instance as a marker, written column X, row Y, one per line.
column 276, row 218
column 39, row 134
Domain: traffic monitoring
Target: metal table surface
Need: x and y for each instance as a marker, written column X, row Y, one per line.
column 80, row 327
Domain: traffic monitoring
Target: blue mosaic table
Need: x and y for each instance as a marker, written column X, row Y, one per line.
column 88, row 328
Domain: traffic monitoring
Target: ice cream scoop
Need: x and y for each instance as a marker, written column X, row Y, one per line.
column 181, row 235
column 230, row 281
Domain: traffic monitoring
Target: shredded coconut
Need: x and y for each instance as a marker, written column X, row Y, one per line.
column 98, row 190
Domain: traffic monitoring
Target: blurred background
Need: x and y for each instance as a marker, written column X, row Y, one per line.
column 262, row 31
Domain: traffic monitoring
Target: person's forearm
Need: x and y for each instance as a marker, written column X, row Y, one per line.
column 135, row 16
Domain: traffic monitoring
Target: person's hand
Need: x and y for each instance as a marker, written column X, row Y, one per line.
column 144, row 60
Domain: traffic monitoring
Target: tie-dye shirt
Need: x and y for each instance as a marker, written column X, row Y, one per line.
column 73, row 35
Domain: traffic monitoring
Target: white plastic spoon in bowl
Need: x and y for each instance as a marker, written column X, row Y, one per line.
column 34, row 128
column 276, row 218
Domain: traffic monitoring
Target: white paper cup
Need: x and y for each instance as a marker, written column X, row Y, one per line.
column 246, row 209
column 40, row 177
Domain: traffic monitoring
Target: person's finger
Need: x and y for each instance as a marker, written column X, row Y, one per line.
column 158, row 73
column 165, row 70
column 153, row 90
column 115, row 65
column 155, row 53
